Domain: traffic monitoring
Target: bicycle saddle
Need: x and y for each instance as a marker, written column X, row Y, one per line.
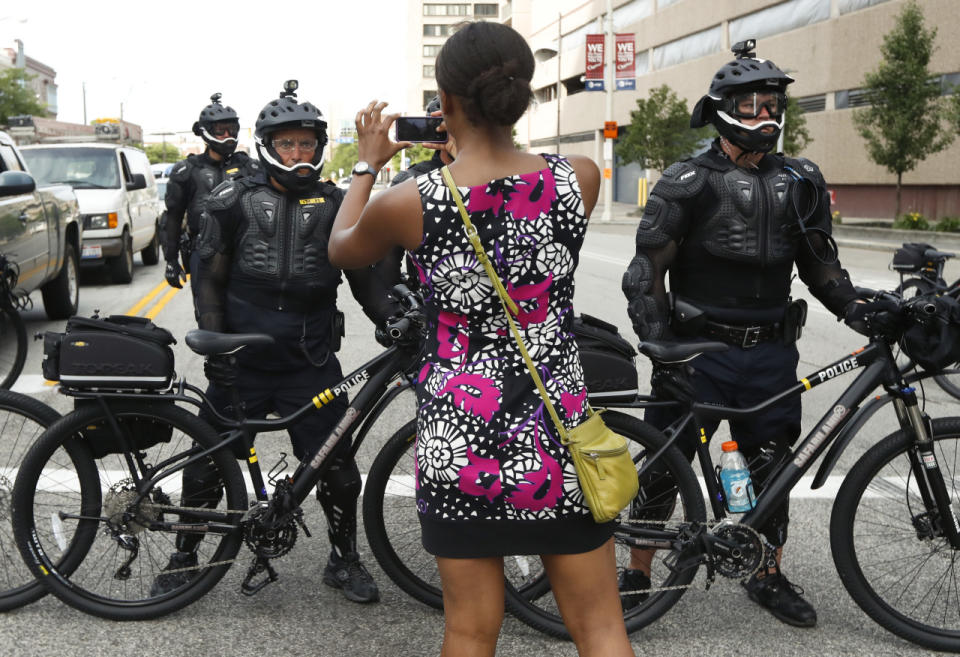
column 208, row 343
column 670, row 352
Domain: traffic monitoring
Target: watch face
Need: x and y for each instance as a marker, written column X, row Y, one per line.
column 361, row 167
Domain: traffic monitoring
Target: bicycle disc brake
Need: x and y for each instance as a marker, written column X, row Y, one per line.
column 738, row 550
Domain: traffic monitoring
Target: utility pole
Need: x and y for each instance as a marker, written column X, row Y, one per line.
column 559, row 75
column 608, row 81
column 84, row 84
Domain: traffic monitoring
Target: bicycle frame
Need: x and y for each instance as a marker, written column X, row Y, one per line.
column 838, row 424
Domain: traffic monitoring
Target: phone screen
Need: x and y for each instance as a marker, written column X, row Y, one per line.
column 420, row 129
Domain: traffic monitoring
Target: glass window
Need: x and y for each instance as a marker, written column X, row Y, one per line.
column 816, row 103
column 446, row 10
column 779, row 18
column 428, row 95
column 666, row 3
column 8, row 159
column 485, row 9
column 642, row 62
column 689, row 47
column 437, row 30
column 846, row 6
column 431, row 50
column 629, row 14
column 429, row 70
column 82, row 168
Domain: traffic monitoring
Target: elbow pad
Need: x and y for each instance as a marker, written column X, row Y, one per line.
column 836, row 293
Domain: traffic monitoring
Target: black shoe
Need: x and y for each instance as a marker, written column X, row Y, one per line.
column 349, row 575
column 168, row 581
column 633, row 580
column 783, row 599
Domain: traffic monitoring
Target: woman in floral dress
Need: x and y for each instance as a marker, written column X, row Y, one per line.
column 493, row 479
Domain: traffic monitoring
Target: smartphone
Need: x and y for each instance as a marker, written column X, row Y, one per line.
column 420, row 129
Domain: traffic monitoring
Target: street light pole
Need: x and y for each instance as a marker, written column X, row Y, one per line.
column 608, row 143
column 559, row 76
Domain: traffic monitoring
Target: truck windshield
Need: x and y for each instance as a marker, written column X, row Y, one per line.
column 82, row 168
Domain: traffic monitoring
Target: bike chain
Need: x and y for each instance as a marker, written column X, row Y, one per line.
column 683, row 587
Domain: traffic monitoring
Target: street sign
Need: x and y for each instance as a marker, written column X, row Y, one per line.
column 609, row 129
column 594, row 85
column 626, row 85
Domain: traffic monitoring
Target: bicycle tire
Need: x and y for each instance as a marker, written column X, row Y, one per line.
column 73, row 512
column 949, row 382
column 22, row 420
column 393, row 531
column 13, row 337
column 542, row 614
column 880, row 541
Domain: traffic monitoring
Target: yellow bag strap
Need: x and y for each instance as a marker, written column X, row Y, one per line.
column 508, row 304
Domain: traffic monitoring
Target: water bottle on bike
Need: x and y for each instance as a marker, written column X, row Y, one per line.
column 735, row 478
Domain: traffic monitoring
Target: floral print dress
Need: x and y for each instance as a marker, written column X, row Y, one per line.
column 492, row 476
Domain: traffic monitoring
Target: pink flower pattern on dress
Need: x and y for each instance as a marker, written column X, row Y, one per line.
column 543, row 487
column 474, row 394
column 533, row 195
column 471, row 480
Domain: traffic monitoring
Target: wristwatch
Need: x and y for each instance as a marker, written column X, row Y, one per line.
column 364, row 167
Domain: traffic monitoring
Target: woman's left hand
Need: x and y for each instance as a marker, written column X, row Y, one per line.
column 374, row 144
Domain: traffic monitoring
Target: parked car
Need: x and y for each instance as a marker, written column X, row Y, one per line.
column 344, row 183
column 40, row 232
column 118, row 200
column 161, row 170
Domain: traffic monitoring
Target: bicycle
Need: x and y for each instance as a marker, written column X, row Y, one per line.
column 927, row 264
column 22, row 420
column 669, row 515
column 97, row 503
column 13, row 334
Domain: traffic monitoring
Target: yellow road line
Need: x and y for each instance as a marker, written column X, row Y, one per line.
column 163, row 301
column 147, row 299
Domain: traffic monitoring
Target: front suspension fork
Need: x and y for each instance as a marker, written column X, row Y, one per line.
column 926, row 469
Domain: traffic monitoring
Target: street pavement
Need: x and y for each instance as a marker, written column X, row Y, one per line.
column 300, row 616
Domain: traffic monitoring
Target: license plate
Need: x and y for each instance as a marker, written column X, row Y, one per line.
column 91, row 251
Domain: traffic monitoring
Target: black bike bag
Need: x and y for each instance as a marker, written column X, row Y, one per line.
column 119, row 352
column 136, row 433
column 609, row 369
column 911, row 258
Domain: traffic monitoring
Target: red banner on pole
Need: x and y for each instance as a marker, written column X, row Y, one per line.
column 593, row 73
column 626, row 59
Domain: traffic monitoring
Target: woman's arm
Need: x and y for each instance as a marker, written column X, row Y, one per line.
column 588, row 177
column 365, row 229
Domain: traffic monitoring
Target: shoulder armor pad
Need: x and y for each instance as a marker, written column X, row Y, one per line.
column 224, row 195
column 181, row 169
column 806, row 168
column 681, row 180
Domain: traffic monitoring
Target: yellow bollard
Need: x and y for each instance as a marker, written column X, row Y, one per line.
column 641, row 192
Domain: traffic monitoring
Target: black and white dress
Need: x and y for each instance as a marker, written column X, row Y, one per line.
column 492, row 476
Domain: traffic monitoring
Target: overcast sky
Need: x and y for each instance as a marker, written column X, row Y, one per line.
column 163, row 60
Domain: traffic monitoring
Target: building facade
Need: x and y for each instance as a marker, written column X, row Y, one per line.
column 828, row 46
column 429, row 25
column 43, row 78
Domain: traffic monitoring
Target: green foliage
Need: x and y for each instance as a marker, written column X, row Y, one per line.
column 905, row 121
column 836, row 217
column 795, row 135
column 156, row 153
column 342, row 156
column 659, row 133
column 948, row 225
column 16, row 97
column 912, row 221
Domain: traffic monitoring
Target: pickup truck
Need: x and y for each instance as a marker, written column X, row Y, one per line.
column 40, row 232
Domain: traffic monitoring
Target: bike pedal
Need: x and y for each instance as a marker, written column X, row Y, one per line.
column 248, row 588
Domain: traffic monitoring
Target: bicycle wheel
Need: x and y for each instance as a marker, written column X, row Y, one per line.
column 97, row 539
column 22, row 420
column 13, row 346
column 949, row 380
column 669, row 498
column 893, row 556
column 393, row 530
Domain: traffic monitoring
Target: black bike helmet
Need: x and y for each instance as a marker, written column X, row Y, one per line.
column 433, row 105
column 213, row 114
column 283, row 114
column 729, row 99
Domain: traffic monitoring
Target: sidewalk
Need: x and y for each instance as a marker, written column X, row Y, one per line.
column 851, row 233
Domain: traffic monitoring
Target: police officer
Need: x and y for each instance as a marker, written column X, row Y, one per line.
column 729, row 226
column 192, row 179
column 262, row 267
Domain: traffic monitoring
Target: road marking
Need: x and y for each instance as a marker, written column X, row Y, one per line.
column 605, row 258
column 147, row 299
column 164, row 301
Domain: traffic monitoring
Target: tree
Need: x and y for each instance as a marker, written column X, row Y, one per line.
column 659, row 133
column 342, row 156
column 16, row 97
column 795, row 135
column 905, row 121
column 163, row 153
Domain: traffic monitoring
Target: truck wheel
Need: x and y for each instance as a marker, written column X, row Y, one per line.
column 61, row 296
column 151, row 252
column 121, row 266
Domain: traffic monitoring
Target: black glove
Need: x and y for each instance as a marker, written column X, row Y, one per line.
column 221, row 369
column 673, row 382
column 174, row 273
column 866, row 317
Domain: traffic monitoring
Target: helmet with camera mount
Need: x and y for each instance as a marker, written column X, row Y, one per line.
column 218, row 126
column 285, row 113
